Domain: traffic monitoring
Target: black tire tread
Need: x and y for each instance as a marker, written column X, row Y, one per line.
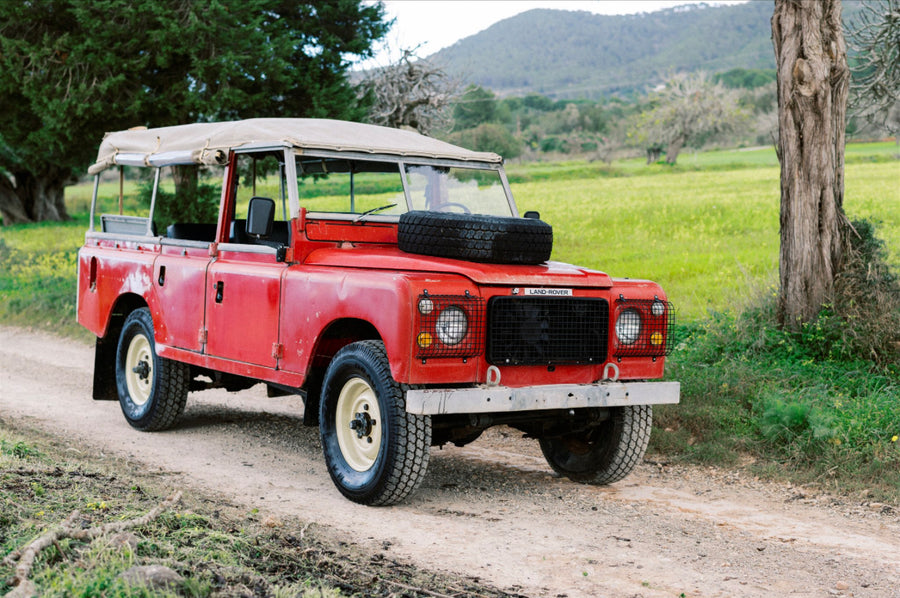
column 409, row 464
column 624, row 449
column 171, row 384
column 476, row 237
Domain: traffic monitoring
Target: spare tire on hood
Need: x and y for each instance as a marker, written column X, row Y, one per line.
column 475, row 237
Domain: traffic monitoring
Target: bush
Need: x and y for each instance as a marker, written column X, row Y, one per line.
column 489, row 138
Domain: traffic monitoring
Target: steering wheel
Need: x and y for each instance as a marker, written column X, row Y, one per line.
column 453, row 204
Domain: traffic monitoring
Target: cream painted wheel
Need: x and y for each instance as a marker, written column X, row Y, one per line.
column 152, row 389
column 376, row 452
column 358, row 424
column 139, row 369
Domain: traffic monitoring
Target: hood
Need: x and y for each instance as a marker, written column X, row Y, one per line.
column 391, row 258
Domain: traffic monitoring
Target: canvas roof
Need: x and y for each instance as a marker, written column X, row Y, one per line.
column 209, row 143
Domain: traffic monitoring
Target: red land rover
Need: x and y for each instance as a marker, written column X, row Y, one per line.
column 384, row 277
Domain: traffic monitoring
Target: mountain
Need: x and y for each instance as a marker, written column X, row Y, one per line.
column 567, row 54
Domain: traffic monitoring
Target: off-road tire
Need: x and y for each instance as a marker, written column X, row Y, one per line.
column 603, row 454
column 476, row 237
column 155, row 400
column 402, row 439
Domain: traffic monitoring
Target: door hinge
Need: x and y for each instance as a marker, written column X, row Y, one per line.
column 201, row 336
column 277, row 351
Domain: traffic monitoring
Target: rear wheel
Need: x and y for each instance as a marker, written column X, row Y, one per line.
column 602, row 454
column 376, row 452
column 152, row 390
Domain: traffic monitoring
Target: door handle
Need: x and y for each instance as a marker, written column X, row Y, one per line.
column 220, row 290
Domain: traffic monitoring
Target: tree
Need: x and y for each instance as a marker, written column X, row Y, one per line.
column 410, row 93
column 689, row 110
column 476, row 106
column 489, row 137
column 813, row 79
column 875, row 88
column 72, row 69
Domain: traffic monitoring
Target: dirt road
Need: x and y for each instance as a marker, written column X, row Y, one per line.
column 493, row 509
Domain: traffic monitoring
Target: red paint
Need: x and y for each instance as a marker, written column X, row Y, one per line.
column 226, row 308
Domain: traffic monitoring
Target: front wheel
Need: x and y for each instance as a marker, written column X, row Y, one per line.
column 152, row 390
column 376, row 452
column 602, row 454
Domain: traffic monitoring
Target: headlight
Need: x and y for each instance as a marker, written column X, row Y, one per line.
column 452, row 325
column 628, row 326
column 426, row 306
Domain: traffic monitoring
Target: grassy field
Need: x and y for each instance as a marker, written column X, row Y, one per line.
column 710, row 238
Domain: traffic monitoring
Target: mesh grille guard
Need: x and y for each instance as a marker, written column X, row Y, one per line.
column 547, row 331
column 653, row 335
column 470, row 331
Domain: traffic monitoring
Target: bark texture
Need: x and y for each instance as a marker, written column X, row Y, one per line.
column 813, row 82
column 33, row 197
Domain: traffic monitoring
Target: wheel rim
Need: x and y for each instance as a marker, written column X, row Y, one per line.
column 139, row 369
column 358, row 424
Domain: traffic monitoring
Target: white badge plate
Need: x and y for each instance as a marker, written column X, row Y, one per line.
column 547, row 292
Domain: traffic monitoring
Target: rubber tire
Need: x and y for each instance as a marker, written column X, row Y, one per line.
column 168, row 385
column 402, row 460
column 606, row 453
column 476, row 237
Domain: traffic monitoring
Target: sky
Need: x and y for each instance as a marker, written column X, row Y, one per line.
column 436, row 24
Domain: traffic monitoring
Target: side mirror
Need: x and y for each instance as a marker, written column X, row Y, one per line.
column 532, row 215
column 260, row 217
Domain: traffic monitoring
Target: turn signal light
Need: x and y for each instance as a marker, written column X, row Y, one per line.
column 424, row 340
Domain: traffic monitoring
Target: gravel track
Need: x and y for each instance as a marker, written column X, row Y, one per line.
column 493, row 509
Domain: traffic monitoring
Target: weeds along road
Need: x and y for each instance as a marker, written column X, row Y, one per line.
column 493, row 509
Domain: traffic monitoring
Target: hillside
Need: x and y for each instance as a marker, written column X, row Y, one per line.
column 579, row 54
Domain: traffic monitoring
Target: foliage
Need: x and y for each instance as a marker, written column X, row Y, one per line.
column 741, row 78
column 474, row 107
column 200, row 204
column 410, row 93
column 72, row 69
column 875, row 35
column 751, row 389
column 689, row 110
column 488, row 138
column 575, row 54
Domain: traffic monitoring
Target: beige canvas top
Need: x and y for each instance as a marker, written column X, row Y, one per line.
column 209, row 143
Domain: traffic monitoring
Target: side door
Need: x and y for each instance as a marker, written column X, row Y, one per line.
column 187, row 228
column 243, row 283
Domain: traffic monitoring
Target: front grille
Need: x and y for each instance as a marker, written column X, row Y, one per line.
column 547, row 330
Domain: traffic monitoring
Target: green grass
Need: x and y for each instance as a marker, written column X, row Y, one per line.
column 709, row 238
column 753, row 393
column 37, row 275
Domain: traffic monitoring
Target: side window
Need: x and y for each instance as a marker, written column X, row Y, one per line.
column 350, row 186
column 187, row 202
column 260, row 175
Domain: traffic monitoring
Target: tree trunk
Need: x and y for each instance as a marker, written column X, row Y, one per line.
column 33, row 197
column 813, row 78
column 187, row 180
column 674, row 148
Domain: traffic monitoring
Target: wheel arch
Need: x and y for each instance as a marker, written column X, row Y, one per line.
column 335, row 336
column 104, row 385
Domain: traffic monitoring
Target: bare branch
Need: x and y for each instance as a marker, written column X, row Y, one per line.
column 410, row 93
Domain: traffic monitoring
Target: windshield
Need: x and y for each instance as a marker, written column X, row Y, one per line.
column 352, row 187
column 452, row 189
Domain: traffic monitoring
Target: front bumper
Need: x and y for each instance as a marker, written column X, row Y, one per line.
column 502, row 399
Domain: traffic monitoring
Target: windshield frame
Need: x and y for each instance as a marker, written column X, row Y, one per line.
column 402, row 162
